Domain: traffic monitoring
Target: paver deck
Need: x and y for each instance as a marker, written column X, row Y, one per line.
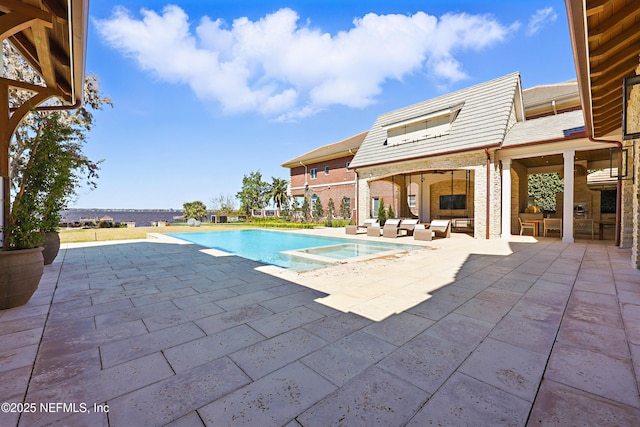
column 460, row 332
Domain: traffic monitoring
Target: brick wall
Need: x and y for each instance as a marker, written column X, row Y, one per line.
column 338, row 173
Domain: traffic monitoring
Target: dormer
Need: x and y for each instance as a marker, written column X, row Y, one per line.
column 431, row 125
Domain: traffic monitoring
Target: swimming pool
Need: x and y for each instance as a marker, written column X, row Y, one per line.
column 298, row 252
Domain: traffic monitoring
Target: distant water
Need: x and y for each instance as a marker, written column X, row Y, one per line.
column 142, row 218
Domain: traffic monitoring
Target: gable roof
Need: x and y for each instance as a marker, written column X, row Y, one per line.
column 336, row 150
column 481, row 122
column 546, row 93
column 546, row 128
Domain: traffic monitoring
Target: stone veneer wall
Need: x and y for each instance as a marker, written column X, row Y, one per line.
column 633, row 112
column 471, row 161
column 628, row 187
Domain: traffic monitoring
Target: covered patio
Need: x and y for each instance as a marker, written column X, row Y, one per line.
column 429, row 194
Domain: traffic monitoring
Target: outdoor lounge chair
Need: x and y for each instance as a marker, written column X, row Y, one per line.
column 420, row 232
column 391, row 228
column 408, row 225
column 355, row 229
column 442, row 226
column 552, row 224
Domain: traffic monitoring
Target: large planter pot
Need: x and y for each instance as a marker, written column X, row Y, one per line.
column 20, row 273
column 51, row 246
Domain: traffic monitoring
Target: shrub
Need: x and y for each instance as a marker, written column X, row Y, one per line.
column 336, row 222
column 382, row 213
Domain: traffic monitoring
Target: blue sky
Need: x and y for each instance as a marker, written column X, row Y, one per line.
column 205, row 92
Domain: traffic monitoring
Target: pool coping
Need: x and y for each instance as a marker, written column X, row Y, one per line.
column 301, row 254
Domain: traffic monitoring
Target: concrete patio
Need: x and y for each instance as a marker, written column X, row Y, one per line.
column 459, row 332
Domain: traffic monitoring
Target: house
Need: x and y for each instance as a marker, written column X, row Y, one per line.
column 326, row 173
column 429, row 160
column 466, row 155
column 604, row 39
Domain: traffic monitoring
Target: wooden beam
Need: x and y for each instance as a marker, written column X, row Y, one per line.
column 622, row 41
column 55, row 7
column 612, row 79
column 623, row 59
column 12, row 23
column 614, row 107
column 14, row 6
column 621, row 18
column 596, row 6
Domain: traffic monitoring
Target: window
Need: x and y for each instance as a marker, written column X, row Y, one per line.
column 412, row 200
column 347, row 166
column 347, row 204
column 375, row 204
column 314, row 173
column 326, row 170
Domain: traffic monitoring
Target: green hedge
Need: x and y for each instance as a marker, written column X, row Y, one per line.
column 337, row 223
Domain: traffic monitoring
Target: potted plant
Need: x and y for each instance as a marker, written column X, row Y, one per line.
column 21, row 261
column 46, row 167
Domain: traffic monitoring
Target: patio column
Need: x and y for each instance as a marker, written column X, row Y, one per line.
column 567, row 203
column 506, row 199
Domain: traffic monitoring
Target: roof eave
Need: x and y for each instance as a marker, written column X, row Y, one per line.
column 576, row 16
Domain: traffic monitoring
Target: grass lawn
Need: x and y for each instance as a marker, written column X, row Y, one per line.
column 103, row 234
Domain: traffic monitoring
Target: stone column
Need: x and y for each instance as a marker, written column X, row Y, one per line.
column 506, row 199
column 567, row 203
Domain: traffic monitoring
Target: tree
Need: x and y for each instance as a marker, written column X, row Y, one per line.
column 382, row 213
column 223, row 204
column 46, row 162
column 73, row 124
column 543, row 188
column 331, row 209
column 318, row 212
column 278, row 192
column 390, row 213
column 305, row 210
column 196, row 210
column 345, row 212
column 254, row 192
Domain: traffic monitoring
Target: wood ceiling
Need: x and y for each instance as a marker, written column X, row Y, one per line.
column 605, row 35
column 51, row 36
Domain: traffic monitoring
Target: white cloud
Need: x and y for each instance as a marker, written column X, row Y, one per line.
column 276, row 67
column 540, row 19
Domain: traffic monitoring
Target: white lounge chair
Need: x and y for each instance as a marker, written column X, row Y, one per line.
column 442, row 226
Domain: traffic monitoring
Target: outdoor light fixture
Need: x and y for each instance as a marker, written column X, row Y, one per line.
column 631, row 116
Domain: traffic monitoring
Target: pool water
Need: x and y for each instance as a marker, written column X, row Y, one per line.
column 266, row 246
column 345, row 251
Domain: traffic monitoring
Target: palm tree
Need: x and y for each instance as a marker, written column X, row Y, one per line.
column 278, row 191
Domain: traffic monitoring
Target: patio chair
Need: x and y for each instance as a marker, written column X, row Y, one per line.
column 527, row 226
column 391, row 228
column 355, row 229
column 552, row 224
column 420, row 232
column 442, row 226
column 408, row 225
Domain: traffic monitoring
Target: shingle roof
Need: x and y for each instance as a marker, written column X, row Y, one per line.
column 547, row 93
column 330, row 151
column 481, row 122
column 545, row 128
